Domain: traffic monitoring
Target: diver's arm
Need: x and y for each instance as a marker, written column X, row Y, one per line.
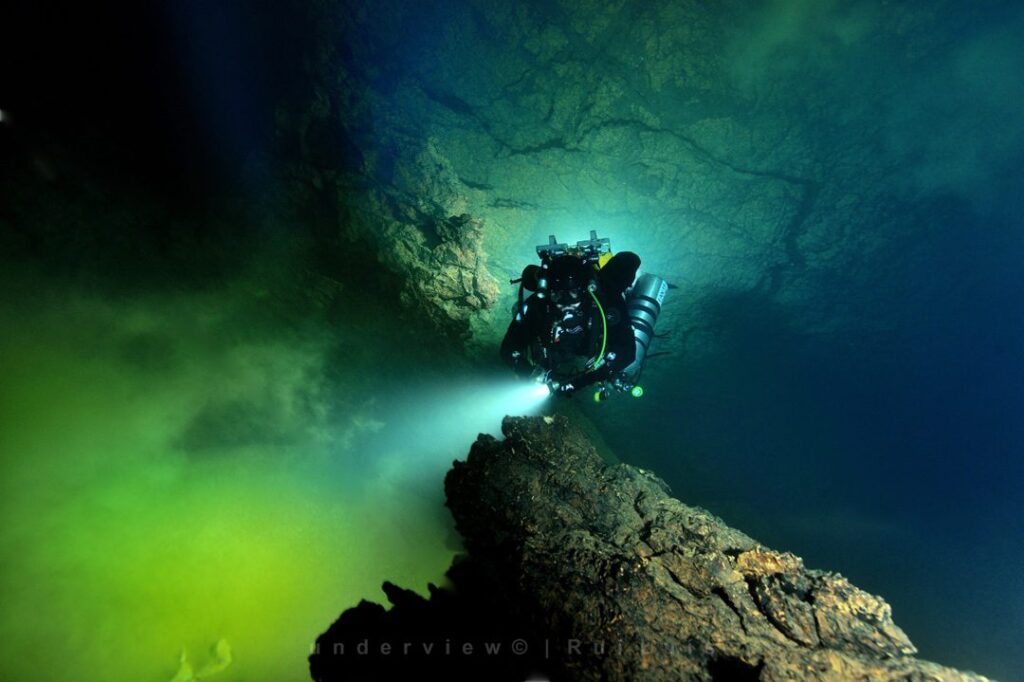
column 621, row 342
column 617, row 358
column 575, row 383
column 513, row 349
column 620, row 345
column 517, row 339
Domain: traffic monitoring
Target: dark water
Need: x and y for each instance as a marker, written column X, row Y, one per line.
column 892, row 458
column 835, row 188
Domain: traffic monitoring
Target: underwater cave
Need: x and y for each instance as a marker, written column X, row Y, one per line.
column 258, row 261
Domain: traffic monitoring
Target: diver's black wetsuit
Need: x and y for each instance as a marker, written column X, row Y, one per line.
column 541, row 335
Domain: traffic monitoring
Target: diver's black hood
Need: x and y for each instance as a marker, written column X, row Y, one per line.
column 568, row 278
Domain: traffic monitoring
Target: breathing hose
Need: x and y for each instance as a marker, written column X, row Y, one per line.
column 599, row 360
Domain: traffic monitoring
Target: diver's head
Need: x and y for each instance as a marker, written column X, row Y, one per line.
column 567, row 280
column 566, row 298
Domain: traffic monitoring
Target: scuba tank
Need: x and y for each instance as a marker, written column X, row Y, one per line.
column 644, row 305
column 643, row 302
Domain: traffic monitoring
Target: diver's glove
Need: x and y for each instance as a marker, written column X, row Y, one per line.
column 564, row 389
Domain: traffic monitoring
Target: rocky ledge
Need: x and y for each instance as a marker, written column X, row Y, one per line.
column 580, row 570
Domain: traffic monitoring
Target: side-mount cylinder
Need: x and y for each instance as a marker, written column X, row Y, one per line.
column 643, row 302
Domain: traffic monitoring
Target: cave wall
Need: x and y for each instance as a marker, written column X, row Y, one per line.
column 739, row 150
column 831, row 186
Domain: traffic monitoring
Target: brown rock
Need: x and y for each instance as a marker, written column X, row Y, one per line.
column 604, row 556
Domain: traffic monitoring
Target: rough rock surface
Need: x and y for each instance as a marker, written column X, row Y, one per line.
column 738, row 149
column 621, row 581
column 426, row 638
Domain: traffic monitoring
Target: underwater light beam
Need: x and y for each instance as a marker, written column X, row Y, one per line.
column 480, row 407
column 435, row 423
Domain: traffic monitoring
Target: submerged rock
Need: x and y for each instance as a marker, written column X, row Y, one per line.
column 599, row 573
column 220, row 659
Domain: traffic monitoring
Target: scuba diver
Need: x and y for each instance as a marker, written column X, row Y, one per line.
column 585, row 322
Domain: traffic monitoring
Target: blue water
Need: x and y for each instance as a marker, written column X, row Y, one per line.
column 846, row 375
column 892, row 458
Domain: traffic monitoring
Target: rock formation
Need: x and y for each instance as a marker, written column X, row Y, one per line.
column 600, row 574
column 745, row 154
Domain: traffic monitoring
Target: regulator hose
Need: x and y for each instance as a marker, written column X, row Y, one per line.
column 599, row 360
